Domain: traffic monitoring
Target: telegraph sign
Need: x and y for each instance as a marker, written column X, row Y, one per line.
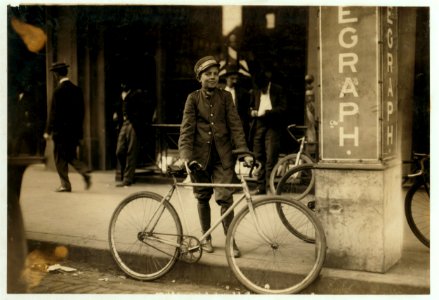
column 389, row 41
column 350, row 88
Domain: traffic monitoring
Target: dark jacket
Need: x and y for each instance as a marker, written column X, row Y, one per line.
column 274, row 118
column 138, row 109
column 67, row 113
column 242, row 105
column 207, row 119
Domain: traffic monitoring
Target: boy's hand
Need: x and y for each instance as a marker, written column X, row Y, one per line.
column 248, row 160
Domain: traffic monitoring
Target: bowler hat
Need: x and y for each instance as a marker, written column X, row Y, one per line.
column 58, row 65
column 230, row 70
column 204, row 63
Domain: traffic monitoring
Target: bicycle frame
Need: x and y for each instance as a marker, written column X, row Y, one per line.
column 175, row 187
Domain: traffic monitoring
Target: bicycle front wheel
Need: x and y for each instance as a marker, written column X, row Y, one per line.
column 284, row 165
column 417, row 211
column 144, row 236
column 273, row 260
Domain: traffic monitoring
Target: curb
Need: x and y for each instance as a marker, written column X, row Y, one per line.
column 214, row 275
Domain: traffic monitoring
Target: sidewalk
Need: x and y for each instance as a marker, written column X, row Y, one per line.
column 80, row 221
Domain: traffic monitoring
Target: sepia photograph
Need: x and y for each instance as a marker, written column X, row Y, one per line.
column 190, row 149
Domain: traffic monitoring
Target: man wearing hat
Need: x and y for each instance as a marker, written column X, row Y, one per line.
column 65, row 125
column 209, row 130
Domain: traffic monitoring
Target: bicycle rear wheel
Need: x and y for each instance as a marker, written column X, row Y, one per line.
column 281, row 263
column 298, row 184
column 284, row 165
column 417, row 211
column 144, row 235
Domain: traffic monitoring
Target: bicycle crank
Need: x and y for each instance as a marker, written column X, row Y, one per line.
column 190, row 249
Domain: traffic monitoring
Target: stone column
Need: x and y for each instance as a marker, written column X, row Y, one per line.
column 358, row 181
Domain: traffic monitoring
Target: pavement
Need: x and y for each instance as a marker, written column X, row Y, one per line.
column 79, row 220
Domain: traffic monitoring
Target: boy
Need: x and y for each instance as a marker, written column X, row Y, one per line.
column 210, row 129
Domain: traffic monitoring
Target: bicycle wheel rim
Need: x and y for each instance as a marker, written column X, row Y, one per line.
column 417, row 211
column 262, row 267
column 283, row 166
column 298, row 184
column 138, row 256
column 297, row 225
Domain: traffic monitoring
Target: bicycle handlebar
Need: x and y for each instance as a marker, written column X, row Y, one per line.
column 245, row 152
column 421, row 157
column 292, row 126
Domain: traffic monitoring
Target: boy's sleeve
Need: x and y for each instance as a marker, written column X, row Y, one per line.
column 187, row 129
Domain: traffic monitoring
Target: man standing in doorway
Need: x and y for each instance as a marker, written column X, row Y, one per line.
column 66, row 127
column 132, row 116
column 268, row 108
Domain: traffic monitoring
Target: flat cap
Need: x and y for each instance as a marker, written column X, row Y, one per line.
column 204, row 63
column 58, row 65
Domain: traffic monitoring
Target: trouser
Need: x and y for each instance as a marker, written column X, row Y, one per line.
column 214, row 172
column 65, row 154
column 266, row 146
column 126, row 152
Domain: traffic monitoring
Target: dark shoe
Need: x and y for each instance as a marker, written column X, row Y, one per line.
column 87, row 180
column 258, row 192
column 236, row 252
column 123, row 184
column 207, row 246
column 62, row 189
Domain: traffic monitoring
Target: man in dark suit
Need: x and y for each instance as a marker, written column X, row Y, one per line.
column 268, row 107
column 66, row 127
column 133, row 114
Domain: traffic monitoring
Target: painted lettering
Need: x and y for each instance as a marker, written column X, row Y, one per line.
column 389, row 15
column 347, row 60
column 389, row 135
column 390, row 38
column 347, row 109
column 389, row 109
column 343, row 14
column 390, row 88
column 353, row 136
column 353, row 37
column 348, row 88
column 389, row 62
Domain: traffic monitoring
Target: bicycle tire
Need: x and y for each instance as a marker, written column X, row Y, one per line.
column 417, row 211
column 297, row 184
column 133, row 249
column 285, row 164
column 287, row 265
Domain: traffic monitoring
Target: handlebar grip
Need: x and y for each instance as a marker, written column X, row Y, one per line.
column 246, row 152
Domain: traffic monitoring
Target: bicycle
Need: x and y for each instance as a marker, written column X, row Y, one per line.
column 146, row 239
column 291, row 160
column 417, row 199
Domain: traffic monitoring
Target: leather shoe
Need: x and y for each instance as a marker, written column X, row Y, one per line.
column 62, row 189
column 236, row 252
column 258, row 192
column 87, row 180
column 123, row 184
column 207, row 246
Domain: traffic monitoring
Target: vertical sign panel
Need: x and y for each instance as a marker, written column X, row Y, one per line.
column 389, row 19
column 350, row 92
